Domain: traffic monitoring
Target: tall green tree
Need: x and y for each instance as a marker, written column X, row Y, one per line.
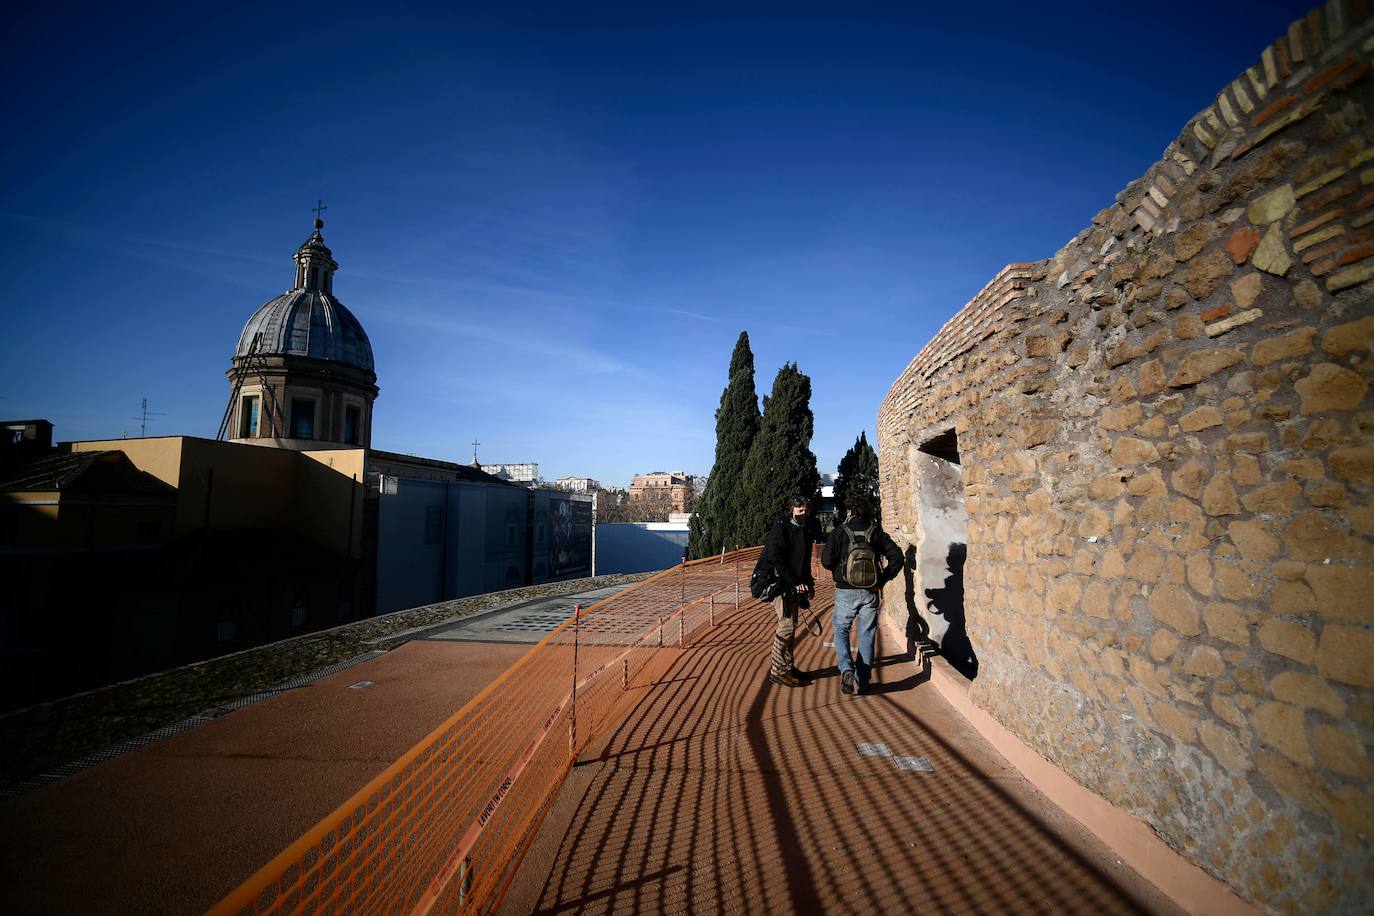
column 781, row 463
column 858, row 473
column 737, row 424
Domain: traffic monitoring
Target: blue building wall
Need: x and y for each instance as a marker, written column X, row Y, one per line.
column 632, row 547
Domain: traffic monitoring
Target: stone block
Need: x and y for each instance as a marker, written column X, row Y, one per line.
column 1064, row 594
column 1151, row 483
column 1307, row 468
column 1180, row 724
column 1338, row 750
column 1330, row 387
column 1354, row 463
column 1292, row 598
column 1312, row 536
column 1219, row 497
column 1097, row 600
column 1235, row 583
column 1224, row 746
column 1286, row 346
column 1204, row 662
column 1294, row 782
column 1199, row 419
column 1129, row 450
column 1150, row 377
column 1342, row 279
column 1307, row 294
column 1199, row 573
column 1116, row 419
column 1284, row 728
column 1245, row 470
column 1241, row 243
column 1289, row 639
column 1189, row 241
column 1146, row 564
column 1191, row 477
column 1273, row 499
column 1094, row 523
column 1163, row 644
column 1204, row 274
column 1201, row 364
column 1272, row 206
column 1171, row 604
column 1253, row 540
column 1246, row 289
column 1228, row 621
column 1346, row 654
column 1351, row 337
column 1307, row 690
column 1344, row 593
column 1271, row 256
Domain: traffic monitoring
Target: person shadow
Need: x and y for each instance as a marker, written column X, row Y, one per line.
column 948, row 602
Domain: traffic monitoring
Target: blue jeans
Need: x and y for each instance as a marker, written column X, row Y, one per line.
column 849, row 603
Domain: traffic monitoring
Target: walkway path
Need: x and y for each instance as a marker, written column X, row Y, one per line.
column 722, row 793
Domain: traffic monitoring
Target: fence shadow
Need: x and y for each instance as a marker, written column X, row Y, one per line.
column 722, row 793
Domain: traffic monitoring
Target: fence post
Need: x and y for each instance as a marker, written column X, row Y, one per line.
column 737, row 580
column 572, row 717
column 713, row 609
column 624, row 674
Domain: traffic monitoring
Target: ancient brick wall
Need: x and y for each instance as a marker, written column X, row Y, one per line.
column 1166, row 439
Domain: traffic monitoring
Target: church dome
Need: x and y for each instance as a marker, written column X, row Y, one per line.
column 307, row 320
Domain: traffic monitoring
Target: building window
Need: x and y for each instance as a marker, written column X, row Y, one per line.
column 248, row 425
column 302, row 418
column 300, row 608
column 345, row 604
column 352, row 416
column 226, row 630
column 148, row 531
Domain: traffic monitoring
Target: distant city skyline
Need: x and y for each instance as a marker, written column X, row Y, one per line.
column 554, row 222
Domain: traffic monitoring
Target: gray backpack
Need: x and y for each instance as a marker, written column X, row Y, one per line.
column 861, row 560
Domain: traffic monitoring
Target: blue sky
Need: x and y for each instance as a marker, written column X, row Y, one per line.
column 554, row 221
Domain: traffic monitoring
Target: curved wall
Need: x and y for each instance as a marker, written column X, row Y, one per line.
column 1165, row 435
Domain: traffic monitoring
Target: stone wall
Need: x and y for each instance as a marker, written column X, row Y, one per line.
column 1166, row 438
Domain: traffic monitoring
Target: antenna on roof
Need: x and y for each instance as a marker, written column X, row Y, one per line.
column 142, row 419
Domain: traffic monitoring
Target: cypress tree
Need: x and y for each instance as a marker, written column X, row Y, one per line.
column 781, row 463
column 858, row 474
column 737, row 423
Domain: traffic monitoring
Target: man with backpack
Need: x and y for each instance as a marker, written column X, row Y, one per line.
column 787, row 552
column 851, row 554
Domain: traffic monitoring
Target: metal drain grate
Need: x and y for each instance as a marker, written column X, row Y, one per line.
column 167, row 731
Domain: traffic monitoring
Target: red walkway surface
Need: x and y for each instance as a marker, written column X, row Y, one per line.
column 175, row 826
column 722, row 793
column 717, row 793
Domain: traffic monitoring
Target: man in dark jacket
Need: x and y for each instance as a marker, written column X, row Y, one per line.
column 853, row 550
column 787, row 549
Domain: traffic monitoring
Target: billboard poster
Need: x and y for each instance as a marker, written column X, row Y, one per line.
column 570, row 538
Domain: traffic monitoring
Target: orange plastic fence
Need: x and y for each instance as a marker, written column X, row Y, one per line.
column 445, row 827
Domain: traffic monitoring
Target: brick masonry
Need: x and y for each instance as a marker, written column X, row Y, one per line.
column 40, row 737
column 1167, row 439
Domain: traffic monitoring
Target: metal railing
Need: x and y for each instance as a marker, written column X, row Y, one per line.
column 445, row 827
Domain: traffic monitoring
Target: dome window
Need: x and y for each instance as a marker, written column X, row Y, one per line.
column 302, row 418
